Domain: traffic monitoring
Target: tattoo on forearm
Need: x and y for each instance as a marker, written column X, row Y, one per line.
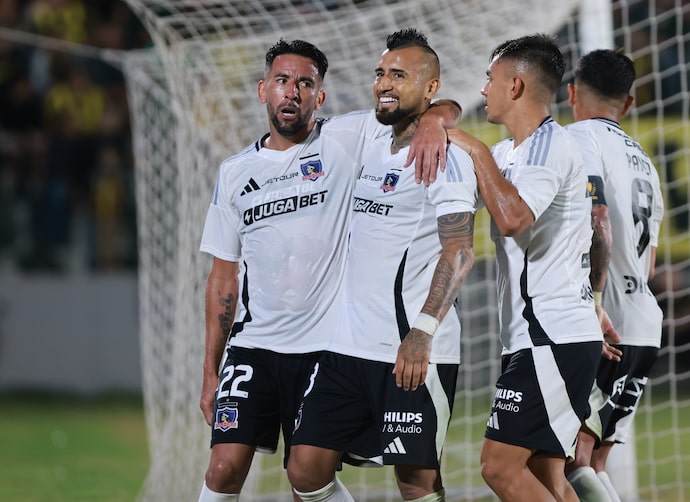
column 600, row 250
column 455, row 231
column 226, row 317
column 600, row 254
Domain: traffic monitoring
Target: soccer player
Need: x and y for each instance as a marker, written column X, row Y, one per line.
column 277, row 229
column 383, row 392
column 535, row 189
column 627, row 208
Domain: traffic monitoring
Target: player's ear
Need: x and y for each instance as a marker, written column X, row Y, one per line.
column 320, row 98
column 432, row 87
column 261, row 91
column 626, row 107
column 572, row 94
column 518, row 87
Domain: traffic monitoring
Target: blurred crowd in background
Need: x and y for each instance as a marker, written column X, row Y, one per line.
column 66, row 165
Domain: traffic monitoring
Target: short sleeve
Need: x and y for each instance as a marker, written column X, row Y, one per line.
column 220, row 237
column 455, row 190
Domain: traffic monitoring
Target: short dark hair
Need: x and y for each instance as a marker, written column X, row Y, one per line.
column 540, row 52
column 608, row 72
column 300, row 48
column 409, row 37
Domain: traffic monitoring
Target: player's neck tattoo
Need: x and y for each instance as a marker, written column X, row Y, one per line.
column 403, row 138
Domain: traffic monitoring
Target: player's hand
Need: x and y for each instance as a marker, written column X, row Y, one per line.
column 208, row 397
column 428, row 150
column 610, row 352
column 611, row 336
column 412, row 362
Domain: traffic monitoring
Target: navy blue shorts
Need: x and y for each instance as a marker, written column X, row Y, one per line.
column 541, row 397
column 259, row 392
column 355, row 407
column 617, row 392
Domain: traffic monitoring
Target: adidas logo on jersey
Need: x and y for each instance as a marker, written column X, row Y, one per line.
column 395, row 446
column 250, row 187
column 493, row 421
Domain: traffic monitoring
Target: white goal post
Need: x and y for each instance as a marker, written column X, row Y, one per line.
column 193, row 103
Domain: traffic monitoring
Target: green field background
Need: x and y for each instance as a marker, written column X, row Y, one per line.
column 58, row 449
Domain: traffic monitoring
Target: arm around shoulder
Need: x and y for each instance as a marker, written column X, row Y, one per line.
column 508, row 210
column 428, row 146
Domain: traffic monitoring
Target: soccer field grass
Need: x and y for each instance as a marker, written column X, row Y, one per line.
column 64, row 449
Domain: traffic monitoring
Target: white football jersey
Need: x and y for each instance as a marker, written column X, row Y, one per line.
column 394, row 248
column 544, row 293
column 284, row 216
column 632, row 192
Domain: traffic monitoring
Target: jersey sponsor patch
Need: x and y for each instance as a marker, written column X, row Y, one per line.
column 226, row 418
column 506, row 400
column 282, row 206
column 369, row 206
column 402, row 422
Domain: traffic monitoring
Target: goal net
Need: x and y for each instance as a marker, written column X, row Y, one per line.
column 193, row 102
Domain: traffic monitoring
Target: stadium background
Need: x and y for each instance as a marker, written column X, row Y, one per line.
column 68, row 250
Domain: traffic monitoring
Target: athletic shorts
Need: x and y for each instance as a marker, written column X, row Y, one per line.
column 617, row 391
column 541, row 397
column 258, row 394
column 354, row 406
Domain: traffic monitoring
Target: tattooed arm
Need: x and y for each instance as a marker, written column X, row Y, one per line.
column 600, row 254
column 457, row 258
column 221, row 302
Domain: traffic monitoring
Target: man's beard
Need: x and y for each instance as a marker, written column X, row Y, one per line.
column 391, row 117
column 288, row 129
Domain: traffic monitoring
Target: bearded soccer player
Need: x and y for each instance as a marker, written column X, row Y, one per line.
column 277, row 230
column 383, row 391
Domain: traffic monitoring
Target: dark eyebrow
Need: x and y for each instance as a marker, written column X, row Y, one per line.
column 392, row 70
column 301, row 79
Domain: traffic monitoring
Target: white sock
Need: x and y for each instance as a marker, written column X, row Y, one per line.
column 334, row 491
column 439, row 496
column 606, row 481
column 588, row 486
column 208, row 495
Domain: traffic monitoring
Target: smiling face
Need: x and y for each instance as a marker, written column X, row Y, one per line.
column 406, row 80
column 292, row 92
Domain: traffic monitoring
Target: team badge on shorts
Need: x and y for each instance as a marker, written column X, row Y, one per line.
column 389, row 182
column 226, row 419
column 312, row 170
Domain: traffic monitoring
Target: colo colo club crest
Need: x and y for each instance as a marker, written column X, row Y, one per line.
column 312, row 170
column 389, row 182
